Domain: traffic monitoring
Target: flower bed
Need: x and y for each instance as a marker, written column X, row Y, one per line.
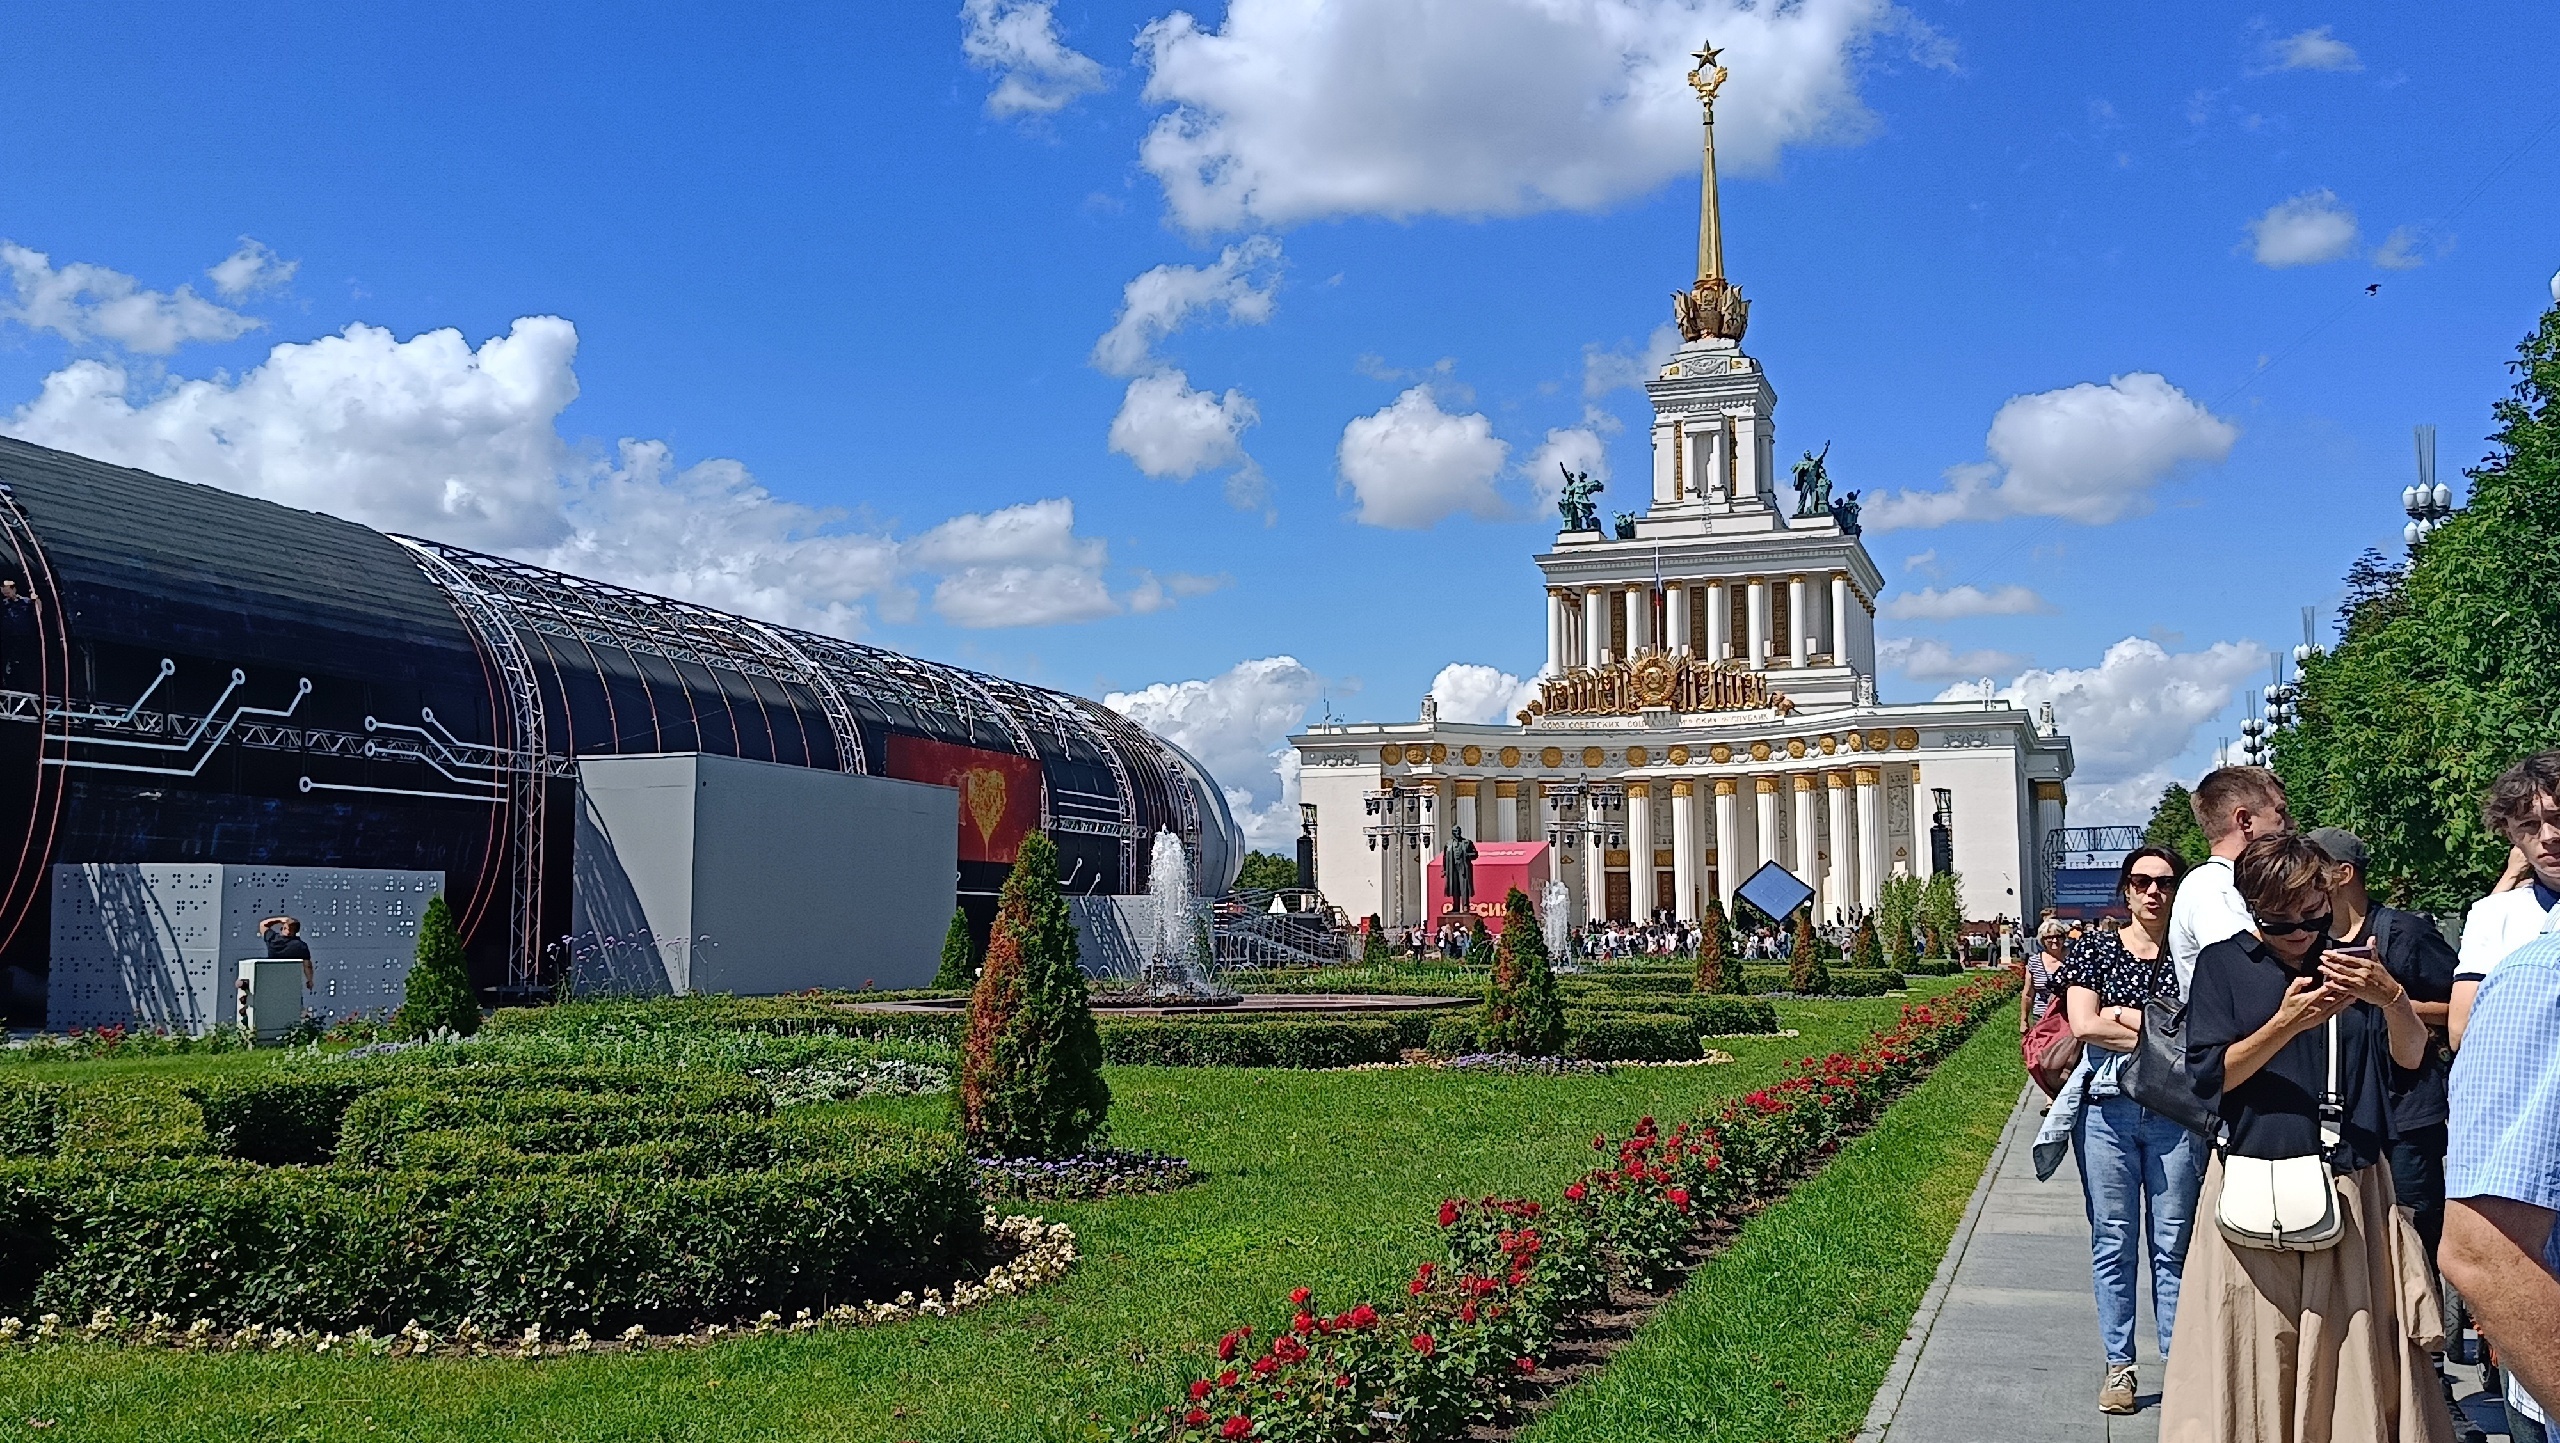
column 1452, row 1352
column 1094, row 1173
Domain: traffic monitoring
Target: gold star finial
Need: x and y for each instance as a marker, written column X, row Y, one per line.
column 1708, row 78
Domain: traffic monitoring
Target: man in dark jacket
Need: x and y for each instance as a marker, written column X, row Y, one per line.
column 283, row 936
column 2420, row 960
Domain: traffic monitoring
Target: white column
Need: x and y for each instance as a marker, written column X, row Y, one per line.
column 1506, row 811
column 1835, row 631
column 1759, row 622
column 1808, row 840
column 1719, row 621
column 1870, row 836
column 1728, row 843
column 1748, row 481
column 1595, row 874
column 1684, row 850
column 1765, row 847
column 1666, row 455
column 1838, row 884
column 1595, row 624
column 1555, row 631
column 1675, row 615
column 1799, row 625
column 1639, row 618
column 1462, row 813
column 1640, row 883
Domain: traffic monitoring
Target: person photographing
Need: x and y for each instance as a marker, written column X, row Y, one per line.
column 283, row 936
column 2298, row 1042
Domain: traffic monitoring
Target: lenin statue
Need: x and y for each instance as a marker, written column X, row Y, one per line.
column 1458, row 871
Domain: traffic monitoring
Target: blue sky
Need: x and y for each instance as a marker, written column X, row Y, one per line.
column 805, row 313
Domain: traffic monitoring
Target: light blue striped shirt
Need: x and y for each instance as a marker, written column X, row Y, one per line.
column 2505, row 1128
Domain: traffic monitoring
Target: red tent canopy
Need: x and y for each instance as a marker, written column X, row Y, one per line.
column 1500, row 866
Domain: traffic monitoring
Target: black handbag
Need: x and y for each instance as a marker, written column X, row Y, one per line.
column 2155, row 1072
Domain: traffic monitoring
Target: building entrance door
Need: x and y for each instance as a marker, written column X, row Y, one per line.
column 1617, row 896
column 1666, row 892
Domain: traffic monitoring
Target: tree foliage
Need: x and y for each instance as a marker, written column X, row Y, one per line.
column 1806, row 974
column 959, row 956
column 1864, row 952
column 1480, row 943
column 2173, row 825
column 1897, row 917
column 2449, row 672
column 1522, row 1011
column 1267, row 872
column 1374, row 951
column 1031, row 1063
column 439, row 992
column 1942, row 912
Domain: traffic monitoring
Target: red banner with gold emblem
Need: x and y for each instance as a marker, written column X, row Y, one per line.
column 999, row 792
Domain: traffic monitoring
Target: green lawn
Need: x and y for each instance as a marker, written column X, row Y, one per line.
column 1326, row 1179
column 1787, row 1335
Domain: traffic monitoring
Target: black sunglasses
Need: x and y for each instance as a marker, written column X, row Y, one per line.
column 2145, row 881
column 2305, row 924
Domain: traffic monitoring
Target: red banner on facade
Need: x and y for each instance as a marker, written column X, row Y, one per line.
column 999, row 792
column 1500, row 866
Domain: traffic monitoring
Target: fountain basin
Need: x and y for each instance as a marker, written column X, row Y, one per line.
column 1270, row 1003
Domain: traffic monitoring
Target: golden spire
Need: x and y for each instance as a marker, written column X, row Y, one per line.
column 1712, row 307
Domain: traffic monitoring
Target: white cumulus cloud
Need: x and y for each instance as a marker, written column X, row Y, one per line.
column 1605, row 370
column 1293, row 110
column 1413, row 465
column 2086, row 453
column 1237, row 724
column 254, row 267
column 2313, row 50
column 1170, row 431
column 1468, row 692
column 1928, row 659
column 2310, row 229
column 1160, row 301
column 436, row 437
column 2133, row 716
column 83, row 302
column 1018, row 39
column 1956, row 602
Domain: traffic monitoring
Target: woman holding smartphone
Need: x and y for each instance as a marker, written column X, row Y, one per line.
column 2283, row 1344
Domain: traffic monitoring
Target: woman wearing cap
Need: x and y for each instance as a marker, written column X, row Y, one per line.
column 2139, row 1171
column 2284, row 1344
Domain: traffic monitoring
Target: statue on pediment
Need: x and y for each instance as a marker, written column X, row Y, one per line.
column 1575, row 503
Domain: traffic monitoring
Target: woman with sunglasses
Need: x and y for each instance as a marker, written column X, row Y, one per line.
column 2282, row 1344
column 2136, row 1166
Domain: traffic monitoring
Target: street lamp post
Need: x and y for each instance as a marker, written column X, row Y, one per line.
column 2430, row 502
column 1399, row 820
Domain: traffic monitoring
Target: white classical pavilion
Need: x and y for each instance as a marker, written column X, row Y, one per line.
column 1709, row 698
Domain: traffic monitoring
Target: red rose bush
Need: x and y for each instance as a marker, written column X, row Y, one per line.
column 1449, row 1350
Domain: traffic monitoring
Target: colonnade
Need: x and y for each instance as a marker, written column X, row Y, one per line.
column 1789, row 620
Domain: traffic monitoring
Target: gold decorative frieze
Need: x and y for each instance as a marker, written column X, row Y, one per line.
column 1439, row 753
column 1879, row 740
column 1765, row 786
column 1391, row 754
column 1466, row 788
column 1830, row 744
column 1720, row 754
column 1593, row 756
column 1868, row 776
column 1471, row 754
column 1511, row 757
column 1681, row 788
column 1636, row 756
column 1835, row 779
column 1805, row 781
column 1679, row 756
column 1505, row 789
column 1907, row 738
column 1759, row 751
column 1551, row 757
column 1725, row 786
column 1795, row 747
column 1655, row 679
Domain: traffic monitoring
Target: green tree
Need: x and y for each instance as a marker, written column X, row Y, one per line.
column 1716, row 973
column 1031, row 1064
column 438, row 994
column 1480, row 942
column 1267, row 872
column 1897, row 917
column 2173, row 825
column 2448, row 672
column 1807, row 976
column 1522, row 1012
column 1942, row 912
column 959, row 958
column 1373, row 943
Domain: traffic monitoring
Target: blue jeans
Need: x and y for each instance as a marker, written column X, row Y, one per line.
column 2128, row 1154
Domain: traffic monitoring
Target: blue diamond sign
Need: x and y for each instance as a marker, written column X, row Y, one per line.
column 1776, row 891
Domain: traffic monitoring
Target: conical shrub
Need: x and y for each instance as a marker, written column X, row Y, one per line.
column 1031, row 1064
column 1479, row 943
column 439, row 991
column 959, row 957
column 1373, row 946
column 1864, row 950
column 1806, row 974
column 1522, row 1011
column 1716, row 973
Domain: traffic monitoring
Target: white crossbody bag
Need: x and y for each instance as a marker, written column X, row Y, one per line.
column 2288, row 1204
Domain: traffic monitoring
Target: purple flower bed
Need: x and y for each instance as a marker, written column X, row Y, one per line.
column 1513, row 1062
column 1097, row 1173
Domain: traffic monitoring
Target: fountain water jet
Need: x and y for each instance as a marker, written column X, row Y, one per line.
column 1178, row 962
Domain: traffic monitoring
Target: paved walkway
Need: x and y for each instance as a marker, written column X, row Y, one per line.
column 2005, row 1345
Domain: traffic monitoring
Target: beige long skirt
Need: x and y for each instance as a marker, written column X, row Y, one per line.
column 2325, row 1347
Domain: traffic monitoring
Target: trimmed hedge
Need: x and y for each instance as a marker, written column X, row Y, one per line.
column 276, row 1118
column 130, row 1117
column 1714, row 1016
column 1319, row 1042
column 339, row 1248
column 1645, row 983
column 1630, row 1037
column 1844, row 981
column 30, row 1119
column 1935, row 967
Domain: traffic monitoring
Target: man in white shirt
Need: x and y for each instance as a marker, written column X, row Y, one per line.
column 2523, row 806
column 2233, row 805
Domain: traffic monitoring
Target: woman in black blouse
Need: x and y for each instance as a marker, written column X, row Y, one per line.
column 2329, row 1344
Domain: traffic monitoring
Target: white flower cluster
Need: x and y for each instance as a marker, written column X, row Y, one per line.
column 1031, row 1252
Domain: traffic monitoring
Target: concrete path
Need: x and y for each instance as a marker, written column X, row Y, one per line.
column 2005, row 1345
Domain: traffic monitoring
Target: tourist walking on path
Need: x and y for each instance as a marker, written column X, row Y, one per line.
column 2234, row 806
column 2420, row 960
column 2042, row 993
column 2139, row 1171
column 2303, row 1345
